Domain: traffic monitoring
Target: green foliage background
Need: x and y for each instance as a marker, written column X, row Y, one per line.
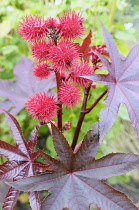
column 116, row 16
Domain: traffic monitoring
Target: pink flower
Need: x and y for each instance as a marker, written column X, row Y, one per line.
column 41, row 106
column 81, row 69
column 71, row 25
column 42, row 71
column 40, row 51
column 69, row 95
column 63, row 55
column 32, row 28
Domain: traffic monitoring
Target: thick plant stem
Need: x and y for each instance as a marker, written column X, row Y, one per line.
column 59, row 111
column 81, row 118
column 78, row 128
column 83, row 112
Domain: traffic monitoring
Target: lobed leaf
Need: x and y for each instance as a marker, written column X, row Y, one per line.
column 62, row 147
column 123, row 85
column 33, row 138
column 21, row 162
column 114, row 164
column 11, row 152
column 10, row 199
column 78, row 187
column 11, row 169
column 34, row 200
column 88, row 148
column 17, row 133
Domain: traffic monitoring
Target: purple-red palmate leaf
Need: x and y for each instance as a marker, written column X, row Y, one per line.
column 123, row 85
column 21, row 162
column 24, row 86
column 76, row 179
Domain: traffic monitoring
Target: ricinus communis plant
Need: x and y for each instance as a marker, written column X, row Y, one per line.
column 75, row 179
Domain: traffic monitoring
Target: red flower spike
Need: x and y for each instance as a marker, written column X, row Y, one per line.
column 99, row 49
column 41, row 106
column 63, row 55
column 71, row 25
column 69, row 95
column 81, row 69
column 42, row 71
column 40, row 51
column 32, row 28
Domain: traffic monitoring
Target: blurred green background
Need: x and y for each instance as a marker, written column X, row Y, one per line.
column 121, row 18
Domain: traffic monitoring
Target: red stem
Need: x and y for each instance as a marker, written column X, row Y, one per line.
column 59, row 112
column 81, row 118
column 96, row 102
column 83, row 112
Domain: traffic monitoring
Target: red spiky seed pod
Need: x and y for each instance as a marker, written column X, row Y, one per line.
column 40, row 51
column 42, row 71
column 41, row 106
column 69, row 95
column 71, row 25
column 81, row 69
column 63, row 55
column 51, row 23
column 32, row 28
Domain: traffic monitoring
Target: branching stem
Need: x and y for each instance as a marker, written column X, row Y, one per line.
column 96, row 102
column 83, row 112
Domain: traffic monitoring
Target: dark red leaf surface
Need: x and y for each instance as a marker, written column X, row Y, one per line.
column 21, row 162
column 123, row 85
column 85, row 47
column 24, row 86
column 76, row 179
